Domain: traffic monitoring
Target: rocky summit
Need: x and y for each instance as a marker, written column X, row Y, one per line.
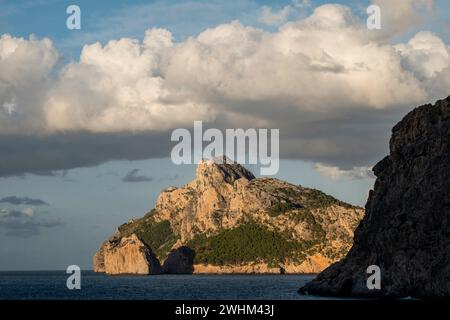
column 406, row 228
column 228, row 221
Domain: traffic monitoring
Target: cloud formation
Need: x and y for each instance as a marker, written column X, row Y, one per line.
column 335, row 173
column 400, row 16
column 427, row 57
column 48, row 153
column 25, row 79
column 333, row 103
column 133, row 176
column 275, row 18
column 25, row 223
column 23, row 201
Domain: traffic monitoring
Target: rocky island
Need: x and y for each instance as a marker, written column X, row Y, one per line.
column 228, row 221
column 406, row 228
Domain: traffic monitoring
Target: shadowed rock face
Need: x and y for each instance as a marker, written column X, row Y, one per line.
column 406, row 228
column 179, row 261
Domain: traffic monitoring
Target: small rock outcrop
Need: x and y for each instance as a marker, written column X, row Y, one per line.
column 179, row 261
column 406, row 228
column 127, row 255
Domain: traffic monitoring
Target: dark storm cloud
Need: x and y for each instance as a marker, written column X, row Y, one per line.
column 51, row 173
column 25, row 223
column 347, row 140
column 359, row 140
column 342, row 137
column 46, row 154
column 133, row 176
column 23, row 201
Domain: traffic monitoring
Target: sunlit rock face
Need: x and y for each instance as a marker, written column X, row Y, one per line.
column 127, row 255
column 228, row 221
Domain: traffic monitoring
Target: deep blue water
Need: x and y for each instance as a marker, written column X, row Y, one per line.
column 52, row 285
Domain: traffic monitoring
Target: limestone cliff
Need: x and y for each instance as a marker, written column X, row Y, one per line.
column 406, row 229
column 126, row 255
column 234, row 222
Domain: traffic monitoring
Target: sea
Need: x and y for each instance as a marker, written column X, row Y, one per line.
column 51, row 285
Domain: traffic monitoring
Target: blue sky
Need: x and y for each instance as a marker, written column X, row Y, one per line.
column 47, row 18
column 93, row 202
column 103, row 20
column 88, row 202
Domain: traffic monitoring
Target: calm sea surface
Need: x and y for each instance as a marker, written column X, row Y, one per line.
column 52, row 285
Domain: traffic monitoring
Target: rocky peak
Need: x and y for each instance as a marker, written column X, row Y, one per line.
column 406, row 228
column 221, row 170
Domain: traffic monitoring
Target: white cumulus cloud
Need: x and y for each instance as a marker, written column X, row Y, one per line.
column 326, row 81
column 400, row 16
column 335, row 173
column 271, row 17
column 128, row 85
column 274, row 18
column 119, row 87
column 25, row 76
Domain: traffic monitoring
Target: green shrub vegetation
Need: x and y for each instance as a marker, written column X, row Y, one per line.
column 249, row 242
column 305, row 215
column 318, row 199
column 280, row 208
column 157, row 235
